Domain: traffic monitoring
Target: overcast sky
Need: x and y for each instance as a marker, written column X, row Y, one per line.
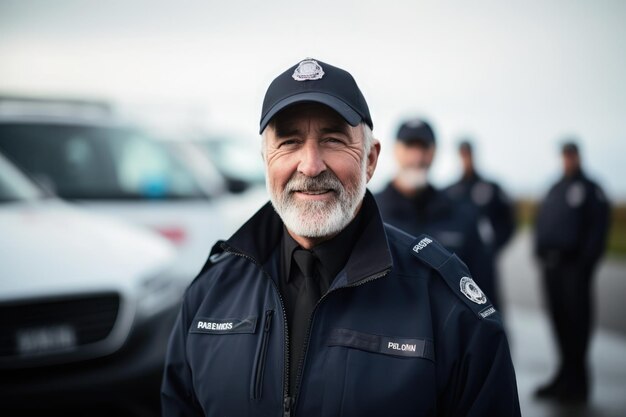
column 516, row 76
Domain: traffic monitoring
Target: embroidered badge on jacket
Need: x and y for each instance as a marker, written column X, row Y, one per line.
column 472, row 291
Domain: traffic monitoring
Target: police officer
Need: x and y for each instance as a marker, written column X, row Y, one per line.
column 496, row 222
column 315, row 307
column 570, row 234
column 412, row 204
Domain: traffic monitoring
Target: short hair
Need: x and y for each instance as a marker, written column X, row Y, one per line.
column 368, row 138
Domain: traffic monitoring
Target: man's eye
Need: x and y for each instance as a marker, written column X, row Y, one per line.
column 334, row 140
column 287, row 142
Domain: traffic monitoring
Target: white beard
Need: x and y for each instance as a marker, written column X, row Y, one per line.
column 413, row 178
column 316, row 219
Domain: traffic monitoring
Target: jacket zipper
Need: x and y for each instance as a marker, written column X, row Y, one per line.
column 308, row 334
column 287, row 400
column 257, row 387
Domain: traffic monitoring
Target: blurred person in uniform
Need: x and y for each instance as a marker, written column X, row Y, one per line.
column 570, row 235
column 411, row 203
column 315, row 307
column 496, row 223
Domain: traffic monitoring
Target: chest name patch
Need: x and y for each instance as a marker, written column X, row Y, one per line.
column 223, row 326
column 395, row 346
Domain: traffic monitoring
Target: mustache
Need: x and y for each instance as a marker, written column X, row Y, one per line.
column 324, row 181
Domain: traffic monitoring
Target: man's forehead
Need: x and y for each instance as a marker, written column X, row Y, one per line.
column 302, row 115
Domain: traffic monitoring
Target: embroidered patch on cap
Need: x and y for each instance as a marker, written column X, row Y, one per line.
column 414, row 123
column 472, row 291
column 308, row 70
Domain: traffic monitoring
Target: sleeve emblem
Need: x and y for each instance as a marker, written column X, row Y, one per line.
column 470, row 289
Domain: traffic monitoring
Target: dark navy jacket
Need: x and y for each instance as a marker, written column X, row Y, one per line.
column 492, row 204
column 496, row 223
column 393, row 336
column 573, row 221
column 455, row 226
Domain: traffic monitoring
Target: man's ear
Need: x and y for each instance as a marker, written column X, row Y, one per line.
column 372, row 159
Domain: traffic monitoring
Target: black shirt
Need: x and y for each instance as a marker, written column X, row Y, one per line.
column 331, row 257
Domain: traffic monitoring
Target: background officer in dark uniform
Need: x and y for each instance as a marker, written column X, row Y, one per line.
column 570, row 232
column 496, row 213
column 411, row 203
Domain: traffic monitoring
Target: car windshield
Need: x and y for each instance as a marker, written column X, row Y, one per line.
column 94, row 162
column 14, row 186
column 236, row 159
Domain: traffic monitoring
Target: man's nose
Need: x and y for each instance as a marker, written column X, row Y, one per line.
column 311, row 159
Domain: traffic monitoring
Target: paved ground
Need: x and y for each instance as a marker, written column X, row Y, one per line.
column 532, row 344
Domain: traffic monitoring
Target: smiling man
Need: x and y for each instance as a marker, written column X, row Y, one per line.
column 318, row 167
column 315, row 307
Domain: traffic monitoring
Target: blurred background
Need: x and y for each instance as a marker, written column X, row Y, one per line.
column 129, row 145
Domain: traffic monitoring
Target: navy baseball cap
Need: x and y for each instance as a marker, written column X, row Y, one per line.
column 416, row 130
column 311, row 80
column 570, row 148
column 466, row 146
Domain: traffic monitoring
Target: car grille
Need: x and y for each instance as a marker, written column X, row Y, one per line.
column 74, row 321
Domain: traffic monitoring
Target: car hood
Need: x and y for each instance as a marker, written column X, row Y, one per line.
column 48, row 247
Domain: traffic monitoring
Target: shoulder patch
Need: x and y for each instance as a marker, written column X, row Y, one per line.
column 429, row 251
column 471, row 291
column 454, row 272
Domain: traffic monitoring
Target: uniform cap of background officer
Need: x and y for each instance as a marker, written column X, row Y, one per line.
column 315, row 81
column 465, row 145
column 569, row 148
column 416, row 130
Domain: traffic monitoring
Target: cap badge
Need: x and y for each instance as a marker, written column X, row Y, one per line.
column 413, row 124
column 472, row 291
column 308, row 70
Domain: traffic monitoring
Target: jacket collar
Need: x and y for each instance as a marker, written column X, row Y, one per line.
column 259, row 237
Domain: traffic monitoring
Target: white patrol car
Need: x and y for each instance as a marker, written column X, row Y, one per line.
column 86, row 154
column 86, row 303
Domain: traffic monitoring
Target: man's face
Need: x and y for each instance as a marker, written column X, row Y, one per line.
column 571, row 163
column 466, row 160
column 414, row 159
column 317, row 169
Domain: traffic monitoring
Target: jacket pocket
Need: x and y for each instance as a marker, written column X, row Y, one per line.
column 386, row 345
column 261, row 355
column 369, row 374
